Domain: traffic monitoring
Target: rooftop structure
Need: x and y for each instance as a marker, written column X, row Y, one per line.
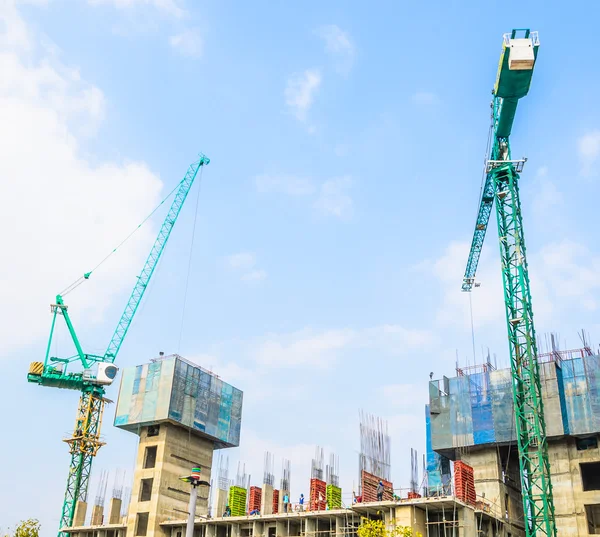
column 172, row 389
column 470, row 418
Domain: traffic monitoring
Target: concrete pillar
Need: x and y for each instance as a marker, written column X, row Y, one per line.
column 311, row 526
column 221, row 503
column 466, row 522
column 114, row 510
column 258, row 528
column 97, row 515
column 282, row 493
column 80, row 512
column 281, row 528
column 266, row 500
column 339, row 526
column 211, row 530
column 236, row 530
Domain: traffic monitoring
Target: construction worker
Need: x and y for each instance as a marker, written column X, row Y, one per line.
column 286, row 500
column 301, row 502
column 380, row 491
column 227, row 511
column 254, row 512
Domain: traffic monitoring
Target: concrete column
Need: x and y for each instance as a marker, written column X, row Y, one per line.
column 114, row 511
column 466, row 522
column 339, row 526
column 388, row 518
column 211, row 530
column 236, row 530
column 282, row 493
column 80, row 512
column 221, row 502
column 97, row 515
column 281, row 528
column 311, row 526
column 266, row 500
column 258, row 528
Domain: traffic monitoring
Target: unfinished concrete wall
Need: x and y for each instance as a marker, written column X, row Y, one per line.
column 266, row 500
column 165, row 453
column 412, row 517
column 570, row 498
column 114, row 510
column 495, row 482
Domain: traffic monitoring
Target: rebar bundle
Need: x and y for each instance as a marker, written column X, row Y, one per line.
column 101, row 494
column 285, row 475
column 223, row 481
column 332, row 470
column 316, row 471
column 374, row 456
column 117, row 491
column 414, row 471
column 240, row 478
column 269, row 475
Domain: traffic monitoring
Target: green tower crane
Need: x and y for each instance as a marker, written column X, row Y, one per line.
column 519, row 53
column 99, row 371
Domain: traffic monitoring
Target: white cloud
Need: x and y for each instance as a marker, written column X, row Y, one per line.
column 168, row 7
column 487, row 300
column 339, row 45
column 246, row 262
column 302, row 349
column 242, row 260
column 67, row 213
column 323, row 349
column 188, row 43
column 334, row 198
column 425, row 98
column 571, row 271
column 331, row 198
column 406, row 395
column 589, row 151
column 285, row 184
column 254, row 276
column 300, row 92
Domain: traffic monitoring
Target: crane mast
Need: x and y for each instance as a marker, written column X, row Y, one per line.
column 519, row 53
column 85, row 441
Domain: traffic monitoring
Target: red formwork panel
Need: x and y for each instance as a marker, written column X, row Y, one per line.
column 368, row 487
column 318, row 495
column 275, row 501
column 255, row 498
column 464, row 483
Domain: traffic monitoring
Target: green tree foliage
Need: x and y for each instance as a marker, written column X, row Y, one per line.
column 377, row 528
column 26, row 528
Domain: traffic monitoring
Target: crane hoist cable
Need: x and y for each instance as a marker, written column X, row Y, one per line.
column 87, row 275
column 189, row 268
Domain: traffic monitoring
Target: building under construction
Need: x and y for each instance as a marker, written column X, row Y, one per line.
column 470, row 487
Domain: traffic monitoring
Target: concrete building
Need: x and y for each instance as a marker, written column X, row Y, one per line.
column 471, row 418
column 182, row 413
column 431, row 517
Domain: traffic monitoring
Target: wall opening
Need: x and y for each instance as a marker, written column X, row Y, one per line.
column 591, row 442
column 141, row 525
column 153, row 430
column 592, row 514
column 146, row 489
column 150, row 457
column 590, row 475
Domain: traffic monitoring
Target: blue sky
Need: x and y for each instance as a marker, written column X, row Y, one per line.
column 346, row 145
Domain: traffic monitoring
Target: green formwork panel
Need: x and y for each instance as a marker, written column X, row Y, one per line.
column 237, row 501
column 334, row 496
